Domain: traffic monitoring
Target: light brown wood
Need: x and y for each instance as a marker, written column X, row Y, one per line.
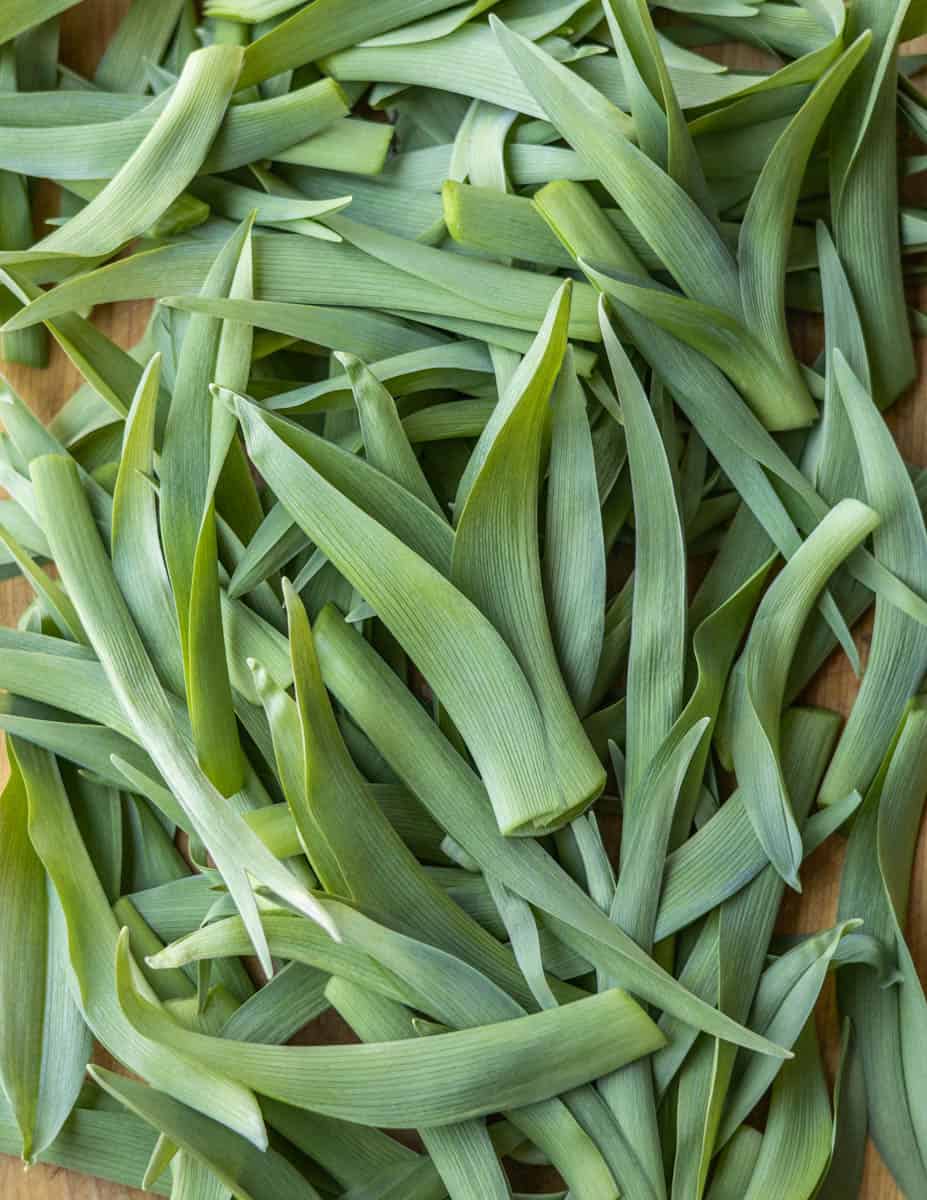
column 84, row 32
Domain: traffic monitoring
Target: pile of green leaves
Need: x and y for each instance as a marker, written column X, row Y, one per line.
column 463, row 505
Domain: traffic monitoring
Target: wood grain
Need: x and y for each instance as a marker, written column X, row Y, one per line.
column 85, row 30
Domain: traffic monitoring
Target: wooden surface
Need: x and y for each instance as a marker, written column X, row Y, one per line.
column 85, row 30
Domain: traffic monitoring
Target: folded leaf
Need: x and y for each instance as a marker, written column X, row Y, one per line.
column 164, row 163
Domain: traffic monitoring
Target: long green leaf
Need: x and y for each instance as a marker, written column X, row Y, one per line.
column 496, row 564
column 45, row 1044
column 474, row 1072
column 195, row 446
column 864, row 185
column 428, row 980
column 778, row 396
column 656, row 661
column 96, row 151
column 138, row 560
column 765, row 232
column 574, row 554
column 795, row 1146
column 91, row 584
column 898, row 655
column 171, row 153
column 295, row 269
column 679, row 232
column 441, row 632
column 890, row 1021
column 763, row 671
column 92, row 936
column 311, row 33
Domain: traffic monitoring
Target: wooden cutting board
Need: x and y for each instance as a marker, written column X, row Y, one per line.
column 85, row 31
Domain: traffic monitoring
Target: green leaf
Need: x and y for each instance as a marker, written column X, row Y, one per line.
column 763, row 671
column 496, row 564
column 673, row 224
column 630, row 1093
column 420, row 755
column 796, row 1142
column 460, row 365
column 193, row 1180
column 44, row 1045
column 475, row 1071
column 89, row 578
column 110, row 1145
column 294, row 214
column 467, row 61
column 738, row 443
column 51, row 596
column 138, row 560
column 15, row 20
column 336, row 809
column 295, row 269
column 787, row 993
column 428, row 980
column 463, row 1153
column 661, row 128
column 386, row 444
column 844, row 1175
column 890, row 1022
column 196, row 442
column 97, row 151
column 16, row 233
column 778, row 395
column 730, row 950
column 864, row 187
column 248, row 1173
column 310, row 34
column 164, row 163
column 574, row 554
column 898, row 655
column 92, row 935
column 736, row 1165
column 656, row 661
column 765, row 233
column 374, row 335
column 444, row 647
column 144, row 31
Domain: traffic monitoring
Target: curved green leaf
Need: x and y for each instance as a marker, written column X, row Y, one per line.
column 898, row 654
column 763, row 672
column 766, row 230
column 496, row 564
